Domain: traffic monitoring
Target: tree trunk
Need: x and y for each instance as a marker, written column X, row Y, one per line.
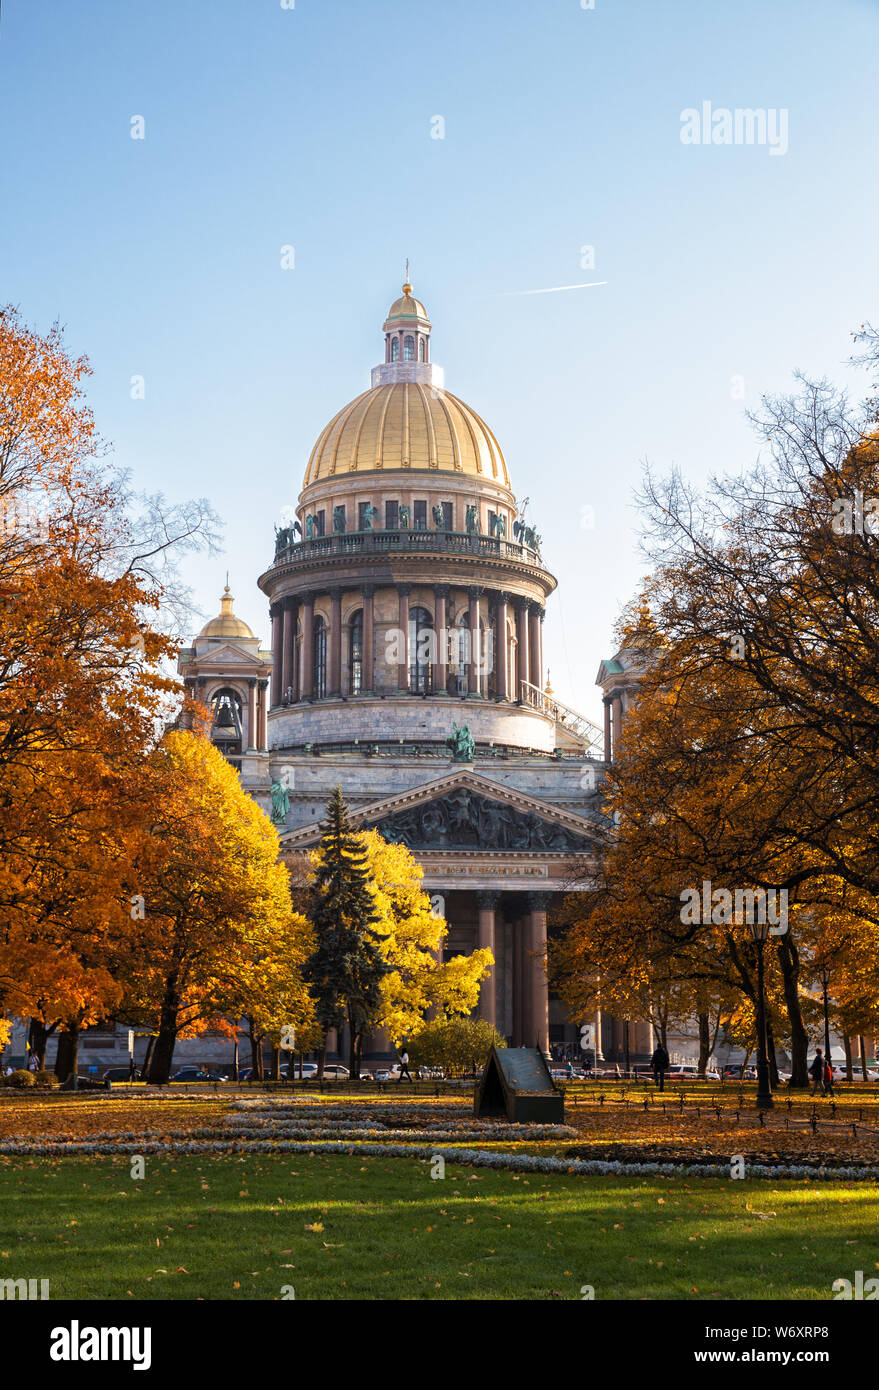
column 788, row 959
column 163, row 1051
column 704, row 1044
column 145, row 1069
column 849, row 1070
column 863, row 1048
column 68, row 1053
column 38, row 1036
column 321, row 1059
column 276, row 1062
column 773, row 1060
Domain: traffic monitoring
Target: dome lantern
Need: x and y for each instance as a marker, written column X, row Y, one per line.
column 407, row 343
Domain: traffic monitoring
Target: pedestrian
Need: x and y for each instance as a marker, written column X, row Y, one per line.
column 33, row 1063
column 828, row 1077
column 569, row 1070
column 816, row 1071
column 404, row 1066
column 660, row 1063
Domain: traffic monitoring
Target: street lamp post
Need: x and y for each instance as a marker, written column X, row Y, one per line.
column 760, row 932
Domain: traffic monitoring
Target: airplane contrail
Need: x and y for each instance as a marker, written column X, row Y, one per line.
column 557, row 289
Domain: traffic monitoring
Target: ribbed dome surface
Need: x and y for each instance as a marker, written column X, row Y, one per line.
column 407, row 425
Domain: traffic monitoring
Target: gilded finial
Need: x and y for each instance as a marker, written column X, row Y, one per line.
column 407, row 288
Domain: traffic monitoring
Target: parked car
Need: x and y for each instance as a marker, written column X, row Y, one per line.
column 116, row 1074
column 334, row 1071
column 196, row 1074
column 290, row 1072
column 689, row 1073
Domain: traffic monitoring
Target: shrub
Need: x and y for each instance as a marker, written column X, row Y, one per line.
column 21, row 1079
column 455, row 1044
column 45, row 1080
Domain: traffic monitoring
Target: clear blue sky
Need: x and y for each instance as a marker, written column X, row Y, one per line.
column 312, row 127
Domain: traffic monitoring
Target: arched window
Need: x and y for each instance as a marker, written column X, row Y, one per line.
column 408, row 348
column 422, row 650
column 355, row 652
column 463, row 653
column 226, row 730
column 320, row 659
column 421, row 349
column 395, row 349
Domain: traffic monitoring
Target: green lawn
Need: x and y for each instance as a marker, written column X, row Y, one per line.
column 382, row 1228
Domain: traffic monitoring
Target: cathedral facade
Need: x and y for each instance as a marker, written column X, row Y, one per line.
column 407, row 602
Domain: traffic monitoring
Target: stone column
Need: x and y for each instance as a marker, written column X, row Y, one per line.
column 277, row 637
column 487, row 904
column 403, row 592
column 521, row 994
column 500, row 653
column 524, row 671
column 252, row 733
column 334, row 655
column 367, row 660
column 536, row 677
column 306, row 672
column 475, row 642
column 287, row 651
column 441, row 627
column 617, row 719
column 608, row 745
column 263, row 716
column 537, row 988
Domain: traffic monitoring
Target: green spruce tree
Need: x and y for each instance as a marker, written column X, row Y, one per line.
column 346, row 968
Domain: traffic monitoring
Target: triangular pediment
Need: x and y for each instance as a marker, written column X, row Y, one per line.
column 463, row 810
column 227, row 655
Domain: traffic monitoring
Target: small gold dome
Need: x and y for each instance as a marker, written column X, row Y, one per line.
column 407, row 307
column 226, row 624
column 407, row 425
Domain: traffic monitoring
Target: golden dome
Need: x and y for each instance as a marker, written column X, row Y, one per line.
column 226, row 624
column 406, row 307
column 407, row 425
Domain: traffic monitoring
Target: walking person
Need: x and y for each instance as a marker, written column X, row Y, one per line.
column 828, row 1076
column 660, row 1064
column 404, row 1066
column 816, row 1071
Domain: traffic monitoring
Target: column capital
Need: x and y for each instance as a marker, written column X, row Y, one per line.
column 251, row 681
column 289, row 602
column 535, row 609
column 522, row 603
column 442, row 590
column 403, row 589
column 368, row 590
column 307, row 597
column 276, row 609
column 538, row 902
column 487, row 901
column 476, row 590
column 263, row 685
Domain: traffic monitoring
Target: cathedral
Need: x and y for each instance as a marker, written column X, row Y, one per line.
column 407, row 601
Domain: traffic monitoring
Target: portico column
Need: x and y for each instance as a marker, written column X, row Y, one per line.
column 441, row 628
column 276, row 613
column 263, row 716
column 500, row 652
column 524, row 671
column 617, row 716
column 520, row 993
column 538, row 1011
column 487, row 904
column 475, row 642
column 252, row 732
column 287, row 651
column 367, row 656
column 608, row 748
column 403, row 592
column 306, row 673
column 335, row 653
